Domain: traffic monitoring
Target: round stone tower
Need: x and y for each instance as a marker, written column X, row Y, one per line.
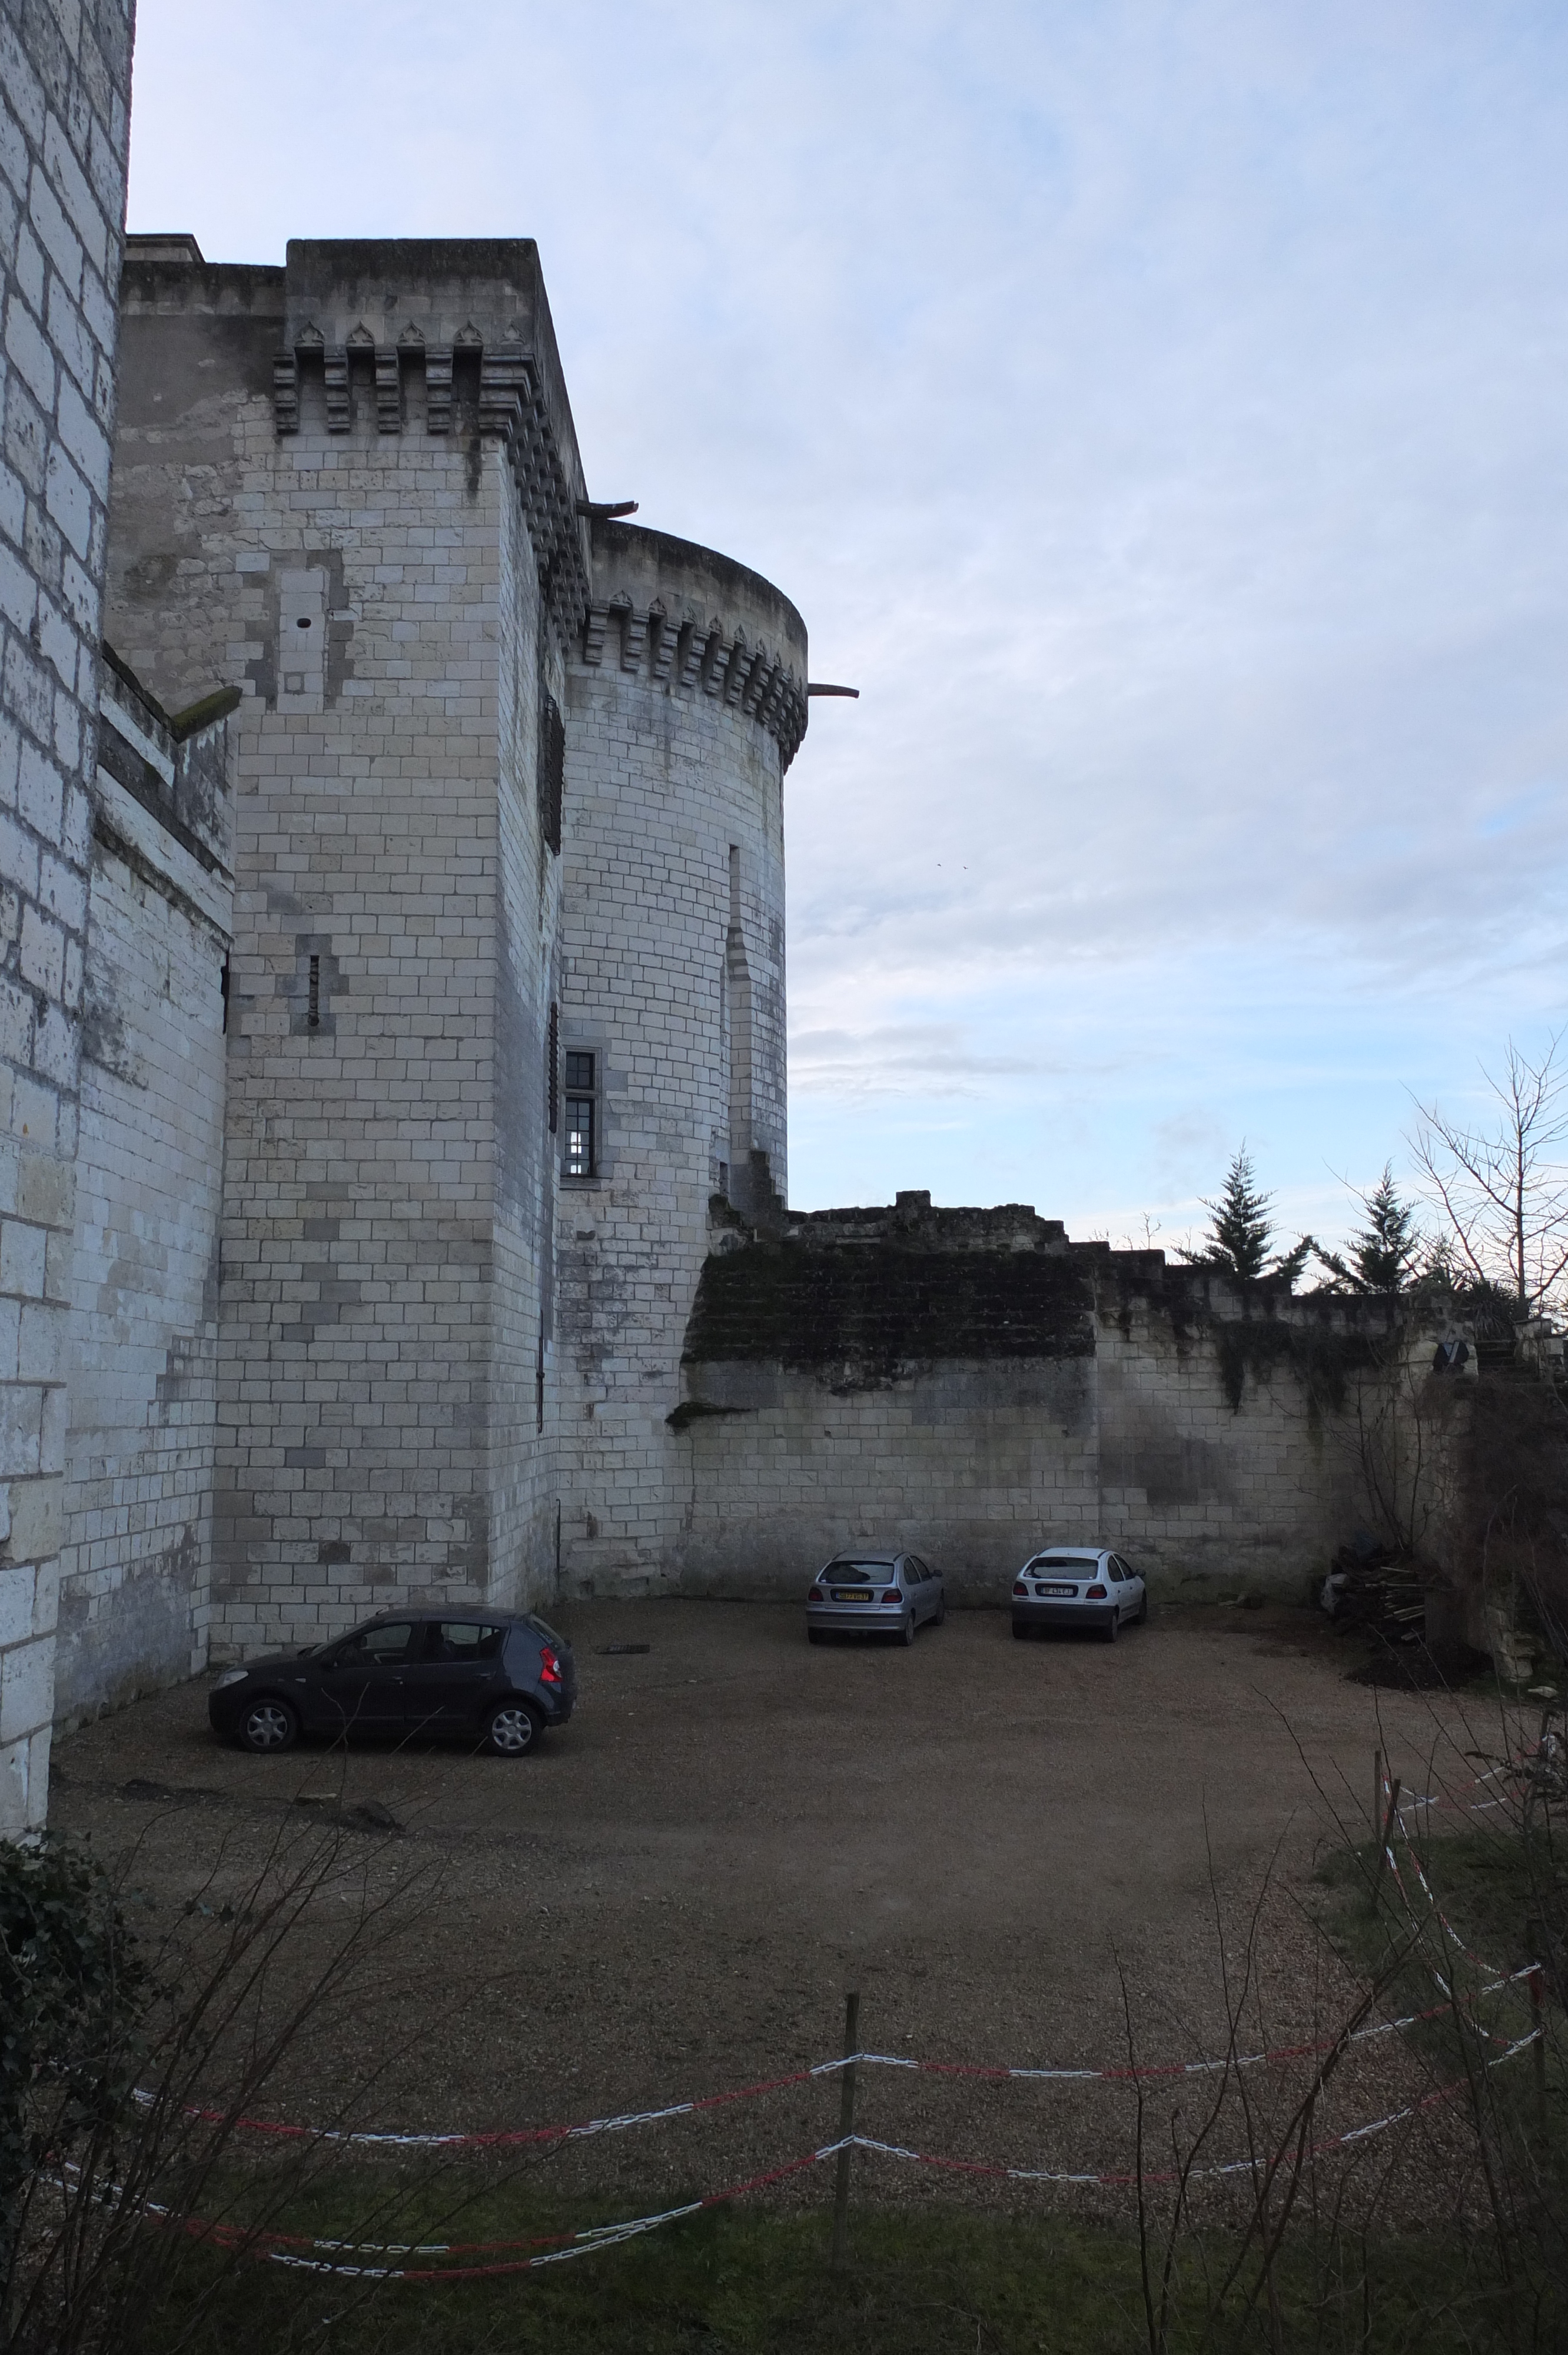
column 685, row 706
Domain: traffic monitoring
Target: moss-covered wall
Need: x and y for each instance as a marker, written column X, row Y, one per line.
column 973, row 1384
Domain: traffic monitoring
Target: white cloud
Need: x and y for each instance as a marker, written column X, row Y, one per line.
column 1156, row 411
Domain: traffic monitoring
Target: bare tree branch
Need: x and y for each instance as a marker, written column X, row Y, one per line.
column 1502, row 1189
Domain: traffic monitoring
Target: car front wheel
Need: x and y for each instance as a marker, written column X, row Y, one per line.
column 511, row 1729
column 269, row 1725
column 940, row 1615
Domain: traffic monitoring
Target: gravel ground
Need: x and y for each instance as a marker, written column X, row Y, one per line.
column 986, row 1837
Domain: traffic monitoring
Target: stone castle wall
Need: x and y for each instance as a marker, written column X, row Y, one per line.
column 973, row 1385
column 65, row 90
column 136, row 1572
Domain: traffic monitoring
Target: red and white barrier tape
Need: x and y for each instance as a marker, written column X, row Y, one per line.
column 1231, row 2167
column 1466, row 1807
column 289, row 2249
column 517, row 2138
column 1468, row 1952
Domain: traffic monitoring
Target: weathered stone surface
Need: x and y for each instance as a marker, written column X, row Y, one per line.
column 971, row 1384
column 65, row 78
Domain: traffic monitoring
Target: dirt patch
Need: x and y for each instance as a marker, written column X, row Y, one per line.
column 1423, row 1668
column 990, row 1841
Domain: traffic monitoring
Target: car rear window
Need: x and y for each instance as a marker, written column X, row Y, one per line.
column 859, row 1574
column 542, row 1628
column 1070, row 1565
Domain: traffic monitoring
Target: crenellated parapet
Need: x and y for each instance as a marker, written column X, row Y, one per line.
column 462, row 344
column 682, row 618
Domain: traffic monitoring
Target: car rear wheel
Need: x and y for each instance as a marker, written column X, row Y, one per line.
column 816, row 1635
column 511, row 1729
column 269, row 1725
column 1020, row 1634
column 907, row 1633
column 1113, row 1627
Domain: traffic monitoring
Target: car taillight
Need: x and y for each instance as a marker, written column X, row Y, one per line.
column 549, row 1666
column 1095, row 1593
column 1018, row 1587
column 816, row 1596
column 893, row 1596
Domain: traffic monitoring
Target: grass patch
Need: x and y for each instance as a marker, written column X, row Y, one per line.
column 1494, row 1887
column 753, row 2281
column 1500, row 1892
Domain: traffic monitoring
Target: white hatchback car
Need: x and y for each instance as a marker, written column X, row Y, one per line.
column 1077, row 1586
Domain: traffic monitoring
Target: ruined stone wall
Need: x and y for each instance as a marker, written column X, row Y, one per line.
column 384, row 530
column 683, row 707
column 136, row 1571
column 65, row 88
column 972, row 1384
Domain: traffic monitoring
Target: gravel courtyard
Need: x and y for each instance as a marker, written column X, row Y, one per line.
column 671, row 1896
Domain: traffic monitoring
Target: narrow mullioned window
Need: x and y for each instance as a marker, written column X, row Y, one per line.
column 582, row 1109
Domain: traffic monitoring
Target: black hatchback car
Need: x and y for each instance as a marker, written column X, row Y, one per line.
column 495, row 1678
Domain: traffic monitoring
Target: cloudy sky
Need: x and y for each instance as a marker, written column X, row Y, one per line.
column 1159, row 408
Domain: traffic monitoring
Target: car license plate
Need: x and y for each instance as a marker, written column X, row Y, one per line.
column 852, row 1595
column 1055, row 1590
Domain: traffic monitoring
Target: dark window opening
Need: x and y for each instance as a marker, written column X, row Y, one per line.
column 223, row 990
column 313, row 1003
column 553, row 1082
column 539, row 1383
column 551, row 770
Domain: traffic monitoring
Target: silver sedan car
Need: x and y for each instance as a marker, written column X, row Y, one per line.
column 1077, row 1586
column 874, row 1594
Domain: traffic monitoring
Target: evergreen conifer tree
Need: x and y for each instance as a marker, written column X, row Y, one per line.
column 1240, row 1231
column 1389, row 1254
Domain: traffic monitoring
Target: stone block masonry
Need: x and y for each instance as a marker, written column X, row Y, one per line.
column 136, row 1573
column 389, row 559
column 65, row 88
column 684, row 705
column 972, row 1384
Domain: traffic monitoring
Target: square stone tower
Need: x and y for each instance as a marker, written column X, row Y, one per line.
column 352, row 485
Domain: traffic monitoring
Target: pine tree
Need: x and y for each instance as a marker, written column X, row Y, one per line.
column 1389, row 1254
column 1240, row 1231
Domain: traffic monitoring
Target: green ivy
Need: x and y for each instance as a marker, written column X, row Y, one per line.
column 72, row 1990
column 1321, row 1361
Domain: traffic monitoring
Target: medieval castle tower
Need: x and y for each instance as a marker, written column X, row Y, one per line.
column 392, row 1066
column 502, row 974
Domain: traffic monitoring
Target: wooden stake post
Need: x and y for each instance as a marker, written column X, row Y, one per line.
column 846, row 2128
column 1389, row 1822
